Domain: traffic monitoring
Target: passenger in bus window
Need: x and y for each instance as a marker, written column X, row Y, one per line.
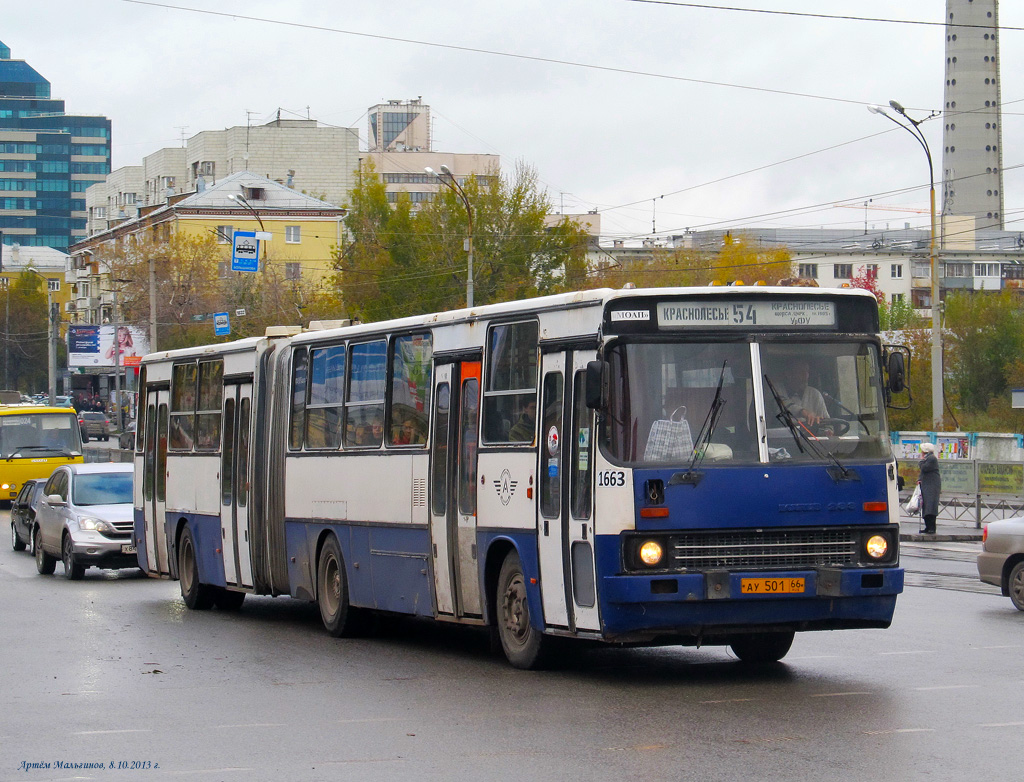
column 522, row 430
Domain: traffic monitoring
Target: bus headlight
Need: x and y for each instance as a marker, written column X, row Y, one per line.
column 877, row 546
column 651, row 552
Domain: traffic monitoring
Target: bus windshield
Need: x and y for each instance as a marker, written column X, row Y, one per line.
column 35, row 435
column 823, row 396
column 821, row 400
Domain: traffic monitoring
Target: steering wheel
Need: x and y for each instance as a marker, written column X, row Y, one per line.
column 839, row 426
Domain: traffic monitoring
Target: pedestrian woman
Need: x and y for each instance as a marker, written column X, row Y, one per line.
column 931, row 486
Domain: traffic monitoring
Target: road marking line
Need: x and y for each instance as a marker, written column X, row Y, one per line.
column 898, row 730
column 839, row 694
column 254, row 725
column 913, row 651
column 1001, row 725
column 728, row 700
column 946, row 687
column 370, row 719
column 104, row 732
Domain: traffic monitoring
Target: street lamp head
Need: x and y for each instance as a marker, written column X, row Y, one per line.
column 897, row 107
column 430, row 171
column 446, row 170
column 877, row 110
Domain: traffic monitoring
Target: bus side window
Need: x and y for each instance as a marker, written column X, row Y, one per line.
column 298, row 421
column 411, row 361
column 511, row 384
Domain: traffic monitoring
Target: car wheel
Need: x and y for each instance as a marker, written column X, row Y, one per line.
column 16, row 543
column 73, row 569
column 524, row 645
column 45, row 564
column 1015, row 586
column 762, row 647
column 85, row 437
column 197, row 596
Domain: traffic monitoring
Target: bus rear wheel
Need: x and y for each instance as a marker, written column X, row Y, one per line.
column 197, row 596
column 762, row 647
column 524, row 645
column 340, row 619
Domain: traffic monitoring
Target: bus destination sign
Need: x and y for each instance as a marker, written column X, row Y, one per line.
column 790, row 314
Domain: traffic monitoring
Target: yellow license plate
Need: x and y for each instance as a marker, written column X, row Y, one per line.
column 771, row 586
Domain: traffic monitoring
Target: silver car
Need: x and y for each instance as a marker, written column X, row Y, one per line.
column 85, row 519
column 1001, row 561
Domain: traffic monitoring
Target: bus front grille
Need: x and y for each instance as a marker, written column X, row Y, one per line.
column 779, row 549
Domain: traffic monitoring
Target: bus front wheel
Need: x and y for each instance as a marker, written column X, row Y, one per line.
column 340, row 619
column 524, row 645
column 762, row 647
column 197, row 596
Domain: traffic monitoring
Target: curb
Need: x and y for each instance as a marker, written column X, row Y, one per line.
column 941, row 538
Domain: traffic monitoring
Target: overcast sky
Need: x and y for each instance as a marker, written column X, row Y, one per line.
column 600, row 138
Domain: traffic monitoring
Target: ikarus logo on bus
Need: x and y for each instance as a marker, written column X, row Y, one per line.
column 506, row 487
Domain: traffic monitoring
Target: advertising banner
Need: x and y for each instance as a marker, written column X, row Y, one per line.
column 93, row 346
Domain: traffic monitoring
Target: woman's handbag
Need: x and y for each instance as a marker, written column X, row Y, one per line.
column 914, row 503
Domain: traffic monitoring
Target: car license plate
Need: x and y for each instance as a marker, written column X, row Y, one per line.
column 128, row 548
column 771, row 586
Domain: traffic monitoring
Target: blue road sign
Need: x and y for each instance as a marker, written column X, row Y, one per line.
column 245, row 252
column 221, row 324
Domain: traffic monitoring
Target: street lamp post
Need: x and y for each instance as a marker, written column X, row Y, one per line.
column 456, row 188
column 914, row 129
column 51, row 341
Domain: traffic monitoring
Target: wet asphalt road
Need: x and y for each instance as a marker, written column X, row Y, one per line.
column 115, row 669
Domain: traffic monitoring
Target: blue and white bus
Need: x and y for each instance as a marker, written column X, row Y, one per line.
column 667, row 466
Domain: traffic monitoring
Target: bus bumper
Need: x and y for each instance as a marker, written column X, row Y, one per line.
column 642, row 607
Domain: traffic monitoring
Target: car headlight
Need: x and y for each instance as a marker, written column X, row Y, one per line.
column 99, row 525
column 877, row 546
column 651, row 552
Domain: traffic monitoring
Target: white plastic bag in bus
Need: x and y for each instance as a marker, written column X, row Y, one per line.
column 914, row 503
column 670, row 438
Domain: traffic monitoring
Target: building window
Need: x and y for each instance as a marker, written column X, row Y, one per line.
column 959, row 269
column 293, row 271
column 53, row 285
column 225, row 234
column 292, row 234
column 897, row 298
column 842, row 271
column 223, row 269
column 986, row 270
column 4, row 283
column 896, row 271
column 808, row 270
column 871, row 271
column 99, row 212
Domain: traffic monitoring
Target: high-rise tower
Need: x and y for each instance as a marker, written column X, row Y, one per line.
column 972, row 150
column 47, row 160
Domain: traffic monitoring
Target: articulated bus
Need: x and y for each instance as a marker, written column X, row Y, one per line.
column 34, row 441
column 668, row 466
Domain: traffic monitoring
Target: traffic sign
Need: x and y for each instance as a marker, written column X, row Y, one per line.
column 221, row 324
column 245, row 252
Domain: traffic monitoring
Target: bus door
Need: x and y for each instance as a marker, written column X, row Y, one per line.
column 234, row 483
column 453, row 474
column 154, row 480
column 565, row 502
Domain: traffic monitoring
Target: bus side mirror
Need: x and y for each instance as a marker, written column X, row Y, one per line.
column 597, row 385
column 897, row 372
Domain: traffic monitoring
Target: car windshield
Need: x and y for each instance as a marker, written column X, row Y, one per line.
column 105, row 488
column 820, row 400
column 33, row 435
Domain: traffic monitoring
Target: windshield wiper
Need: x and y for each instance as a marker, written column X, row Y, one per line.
column 801, row 432
column 845, row 409
column 704, row 438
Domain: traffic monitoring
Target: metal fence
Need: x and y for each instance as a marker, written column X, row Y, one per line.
column 973, row 489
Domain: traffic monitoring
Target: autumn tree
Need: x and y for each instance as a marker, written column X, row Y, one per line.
column 26, row 331
column 403, row 262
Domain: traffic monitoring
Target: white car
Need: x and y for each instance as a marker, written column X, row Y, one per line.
column 85, row 519
column 1001, row 561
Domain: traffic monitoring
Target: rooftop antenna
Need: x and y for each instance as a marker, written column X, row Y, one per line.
column 181, row 132
column 248, row 124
